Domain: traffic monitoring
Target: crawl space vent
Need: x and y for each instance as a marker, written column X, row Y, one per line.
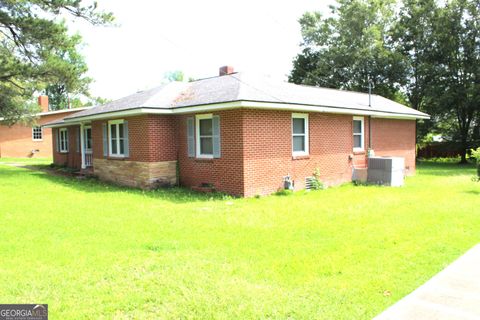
column 309, row 183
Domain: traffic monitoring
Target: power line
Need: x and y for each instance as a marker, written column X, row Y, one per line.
column 253, row 87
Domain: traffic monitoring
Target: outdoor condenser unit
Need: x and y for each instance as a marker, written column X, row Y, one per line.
column 388, row 171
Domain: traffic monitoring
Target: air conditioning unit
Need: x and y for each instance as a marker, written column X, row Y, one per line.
column 388, row 171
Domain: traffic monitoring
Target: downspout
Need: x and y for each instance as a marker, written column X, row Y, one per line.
column 370, row 151
column 369, row 133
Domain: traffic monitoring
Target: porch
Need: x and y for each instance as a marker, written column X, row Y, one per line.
column 86, row 146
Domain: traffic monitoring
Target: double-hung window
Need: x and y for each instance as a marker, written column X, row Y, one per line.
column 88, row 138
column 116, row 129
column 37, row 133
column 63, row 140
column 358, row 134
column 204, row 136
column 299, row 134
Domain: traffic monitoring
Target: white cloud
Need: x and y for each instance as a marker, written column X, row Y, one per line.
column 197, row 37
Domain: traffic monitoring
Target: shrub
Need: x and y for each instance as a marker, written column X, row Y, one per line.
column 360, row 183
column 284, row 192
column 316, row 183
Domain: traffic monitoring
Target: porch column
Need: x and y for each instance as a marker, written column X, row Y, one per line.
column 82, row 144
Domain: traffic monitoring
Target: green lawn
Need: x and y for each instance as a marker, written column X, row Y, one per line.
column 93, row 251
column 27, row 161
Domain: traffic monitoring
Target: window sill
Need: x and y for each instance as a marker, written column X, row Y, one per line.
column 116, row 158
column 359, row 151
column 301, row 157
column 63, row 152
column 206, row 160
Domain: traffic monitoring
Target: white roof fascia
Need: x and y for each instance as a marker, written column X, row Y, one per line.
column 248, row 104
column 55, row 112
column 62, row 111
column 60, row 125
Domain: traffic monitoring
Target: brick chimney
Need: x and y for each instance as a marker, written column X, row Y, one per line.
column 43, row 103
column 225, row 70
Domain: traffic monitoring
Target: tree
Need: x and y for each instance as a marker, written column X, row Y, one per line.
column 454, row 88
column 36, row 50
column 412, row 37
column 427, row 52
column 176, row 75
column 476, row 155
column 57, row 96
column 350, row 48
column 95, row 101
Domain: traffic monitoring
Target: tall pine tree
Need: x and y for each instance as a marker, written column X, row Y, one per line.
column 36, row 50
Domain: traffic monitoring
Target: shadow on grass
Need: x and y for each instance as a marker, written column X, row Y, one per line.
column 92, row 185
column 474, row 192
column 444, row 168
column 7, row 173
column 183, row 195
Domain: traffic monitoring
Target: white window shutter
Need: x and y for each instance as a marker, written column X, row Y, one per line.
column 190, row 137
column 105, row 139
column 125, row 139
column 216, row 136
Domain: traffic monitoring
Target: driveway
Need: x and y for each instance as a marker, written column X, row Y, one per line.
column 454, row 293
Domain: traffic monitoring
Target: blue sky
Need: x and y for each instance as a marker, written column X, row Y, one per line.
column 197, row 37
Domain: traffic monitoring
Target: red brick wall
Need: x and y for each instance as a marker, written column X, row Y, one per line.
column 97, row 139
column 72, row 158
column 269, row 156
column 257, row 150
column 16, row 141
column 397, row 138
column 225, row 173
column 151, row 138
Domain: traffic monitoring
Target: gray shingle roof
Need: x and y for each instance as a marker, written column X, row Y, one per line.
column 244, row 87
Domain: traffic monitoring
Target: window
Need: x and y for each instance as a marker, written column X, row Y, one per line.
column 117, row 138
column 88, row 138
column 299, row 134
column 63, row 140
column 37, row 133
column 358, row 135
column 204, row 136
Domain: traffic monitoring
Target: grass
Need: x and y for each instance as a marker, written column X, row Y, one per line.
column 26, row 161
column 91, row 250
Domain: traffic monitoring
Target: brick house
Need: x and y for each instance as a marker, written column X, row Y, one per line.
column 235, row 133
column 22, row 140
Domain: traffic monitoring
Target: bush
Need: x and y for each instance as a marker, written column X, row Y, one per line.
column 284, row 192
column 316, row 183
